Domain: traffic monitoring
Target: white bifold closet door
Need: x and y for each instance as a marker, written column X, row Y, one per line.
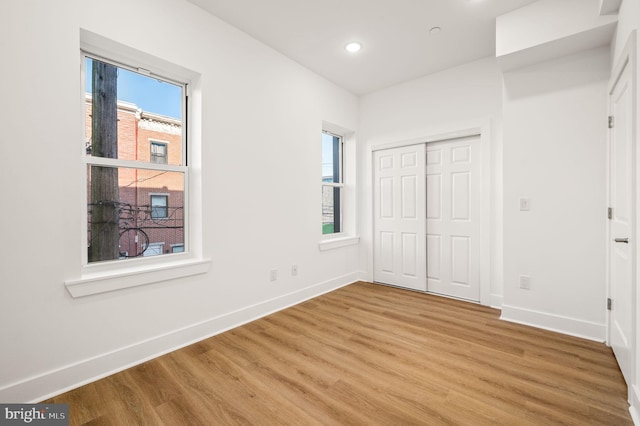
column 453, row 210
column 399, row 217
column 426, row 217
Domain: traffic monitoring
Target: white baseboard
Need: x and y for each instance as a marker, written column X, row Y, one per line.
column 634, row 400
column 55, row 382
column 560, row 324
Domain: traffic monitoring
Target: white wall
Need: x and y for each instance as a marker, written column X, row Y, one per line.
column 629, row 20
column 459, row 98
column 260, row 132
column 554, row 154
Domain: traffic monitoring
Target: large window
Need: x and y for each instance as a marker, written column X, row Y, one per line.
column 127, row 110
column 332, row 183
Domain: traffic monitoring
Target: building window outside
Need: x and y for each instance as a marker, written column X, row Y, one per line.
column 154, row 249
column 158, row 152
column 159, row 206
column 177, row 248
column 123, row 121
column 332, row 183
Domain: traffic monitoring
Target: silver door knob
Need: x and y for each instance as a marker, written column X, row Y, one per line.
column 622, row 240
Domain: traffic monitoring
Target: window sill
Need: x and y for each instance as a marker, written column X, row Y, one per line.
column 339, row 242
column 96, row 283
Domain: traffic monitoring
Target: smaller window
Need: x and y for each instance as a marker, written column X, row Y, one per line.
column 332, row 183
column 177, row 248
column 158, row 152
column 159, row 206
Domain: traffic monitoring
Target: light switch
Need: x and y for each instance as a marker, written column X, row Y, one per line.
column 525, row 204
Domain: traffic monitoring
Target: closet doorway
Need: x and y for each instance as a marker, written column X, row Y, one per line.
column 427, row 217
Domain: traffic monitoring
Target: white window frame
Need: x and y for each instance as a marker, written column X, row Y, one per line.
column 339, row 184
column 137, row 164
column 101, row 277
column 347, row 235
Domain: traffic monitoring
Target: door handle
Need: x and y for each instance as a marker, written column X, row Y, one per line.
column 622, row 240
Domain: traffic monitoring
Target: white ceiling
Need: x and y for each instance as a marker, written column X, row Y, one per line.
column 397, row 45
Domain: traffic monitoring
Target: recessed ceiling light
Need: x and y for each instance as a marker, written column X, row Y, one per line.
column 353, row 47
column 435, row 30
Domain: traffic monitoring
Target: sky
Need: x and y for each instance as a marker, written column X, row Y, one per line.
column 147, row 93
column 327, row 155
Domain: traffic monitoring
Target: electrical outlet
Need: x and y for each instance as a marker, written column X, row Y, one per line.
column 525, row 282
column 294, row 270
column 274, row 274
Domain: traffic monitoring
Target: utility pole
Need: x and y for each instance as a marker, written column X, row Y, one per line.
column 104, row 180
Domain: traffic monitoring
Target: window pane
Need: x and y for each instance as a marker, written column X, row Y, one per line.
column 126, row 215
column 130, row 110
column 158, row 152
column 331, row 218
column 154, row 249
column 331, row 158
column 159, row 205
column 331, row 173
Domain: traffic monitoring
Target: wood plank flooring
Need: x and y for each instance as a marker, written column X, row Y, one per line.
column 365, row 355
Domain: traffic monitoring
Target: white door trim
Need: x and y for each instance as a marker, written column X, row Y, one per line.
column 484, row 130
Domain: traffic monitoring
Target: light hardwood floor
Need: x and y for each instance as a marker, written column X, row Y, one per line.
column 367, row 354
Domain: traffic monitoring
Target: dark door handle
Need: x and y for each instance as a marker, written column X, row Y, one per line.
column 622, row 240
